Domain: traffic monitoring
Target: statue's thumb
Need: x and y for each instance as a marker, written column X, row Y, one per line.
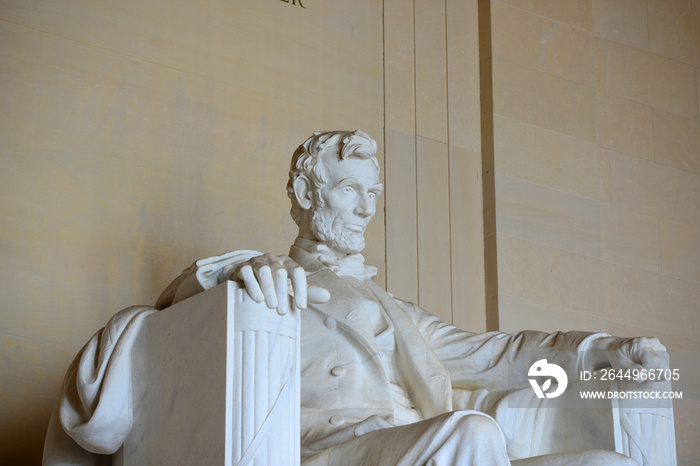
column 317, row 295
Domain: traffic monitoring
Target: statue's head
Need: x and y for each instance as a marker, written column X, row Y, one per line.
column 334, row 185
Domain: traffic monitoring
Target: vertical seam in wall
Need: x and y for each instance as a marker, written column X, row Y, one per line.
column 658, row 237
column 449, row 156
column 606, row 91
column 648, row 50
column 484, row 12
column 697, row 92
column 415, row 152
column 386, row 223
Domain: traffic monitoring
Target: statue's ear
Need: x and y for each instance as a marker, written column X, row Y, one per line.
column 303, row 192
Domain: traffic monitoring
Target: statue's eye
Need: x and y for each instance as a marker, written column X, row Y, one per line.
column 372, row 195
column 348, row 190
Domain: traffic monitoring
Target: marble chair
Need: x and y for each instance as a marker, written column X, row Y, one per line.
column 640, row 429
column 644, row 433
column 216, row 381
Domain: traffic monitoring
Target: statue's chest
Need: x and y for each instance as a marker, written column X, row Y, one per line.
column 338, row 362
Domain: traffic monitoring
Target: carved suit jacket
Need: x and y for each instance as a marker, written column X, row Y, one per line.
column 345, row 390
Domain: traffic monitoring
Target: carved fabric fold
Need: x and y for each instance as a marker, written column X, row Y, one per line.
column 95, row 408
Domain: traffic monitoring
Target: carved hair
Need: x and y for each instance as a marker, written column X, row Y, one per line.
column 306, row 161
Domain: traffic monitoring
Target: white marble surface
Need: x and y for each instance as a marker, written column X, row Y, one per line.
column 207, row 373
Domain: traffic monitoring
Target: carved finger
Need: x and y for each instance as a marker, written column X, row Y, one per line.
column 246, row 274
column 653, row 354
column 282, row 291
column 655, row 344
column 299, row 287
column 267, row 284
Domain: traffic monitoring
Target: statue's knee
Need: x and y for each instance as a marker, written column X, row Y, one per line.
column 621, row 460
column 609, row 458
column 476, row 426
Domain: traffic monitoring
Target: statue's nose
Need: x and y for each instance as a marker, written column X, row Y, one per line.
column 365, row 206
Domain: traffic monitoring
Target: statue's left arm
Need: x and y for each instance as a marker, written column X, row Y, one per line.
column 494, row 359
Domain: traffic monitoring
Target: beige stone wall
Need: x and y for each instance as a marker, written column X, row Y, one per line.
column 138, row 136
column 597, row 167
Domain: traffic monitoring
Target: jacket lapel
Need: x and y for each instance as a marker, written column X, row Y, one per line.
column 422, row 374
column 343, row 305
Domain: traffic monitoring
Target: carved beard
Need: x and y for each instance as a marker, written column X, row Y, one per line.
column 335, row 238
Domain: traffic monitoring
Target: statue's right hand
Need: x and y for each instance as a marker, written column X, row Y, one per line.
column 265, row 279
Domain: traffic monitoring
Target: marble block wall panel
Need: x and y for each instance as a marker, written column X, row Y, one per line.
column 624, row 125
column 543, row 44
column 650, row 79
column 697, row 78
column 544, row 100
column 551, row 277
column 573, row 13
column 432, row 187
column 401, row 215
column 547, row 158
column 630, row 238
column 680, row 256
column 655, row 189
column 431, row 70
column 676, row 141
column 468, row 260
column 623, row 21
column 674, row 30
column 519, row 313
column 547, row 216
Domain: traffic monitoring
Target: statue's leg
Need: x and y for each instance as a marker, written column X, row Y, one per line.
column 457, row 438
column 583, row 458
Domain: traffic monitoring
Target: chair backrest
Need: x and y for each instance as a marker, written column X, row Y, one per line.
column 216, row 381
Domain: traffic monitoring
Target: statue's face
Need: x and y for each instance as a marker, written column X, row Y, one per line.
column 347, row 202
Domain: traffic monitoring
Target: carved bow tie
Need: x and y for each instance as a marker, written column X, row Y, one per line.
column 349, row 265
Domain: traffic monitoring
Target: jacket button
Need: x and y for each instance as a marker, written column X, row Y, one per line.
column 337, row 371
column 337, row 420
column 330, row 323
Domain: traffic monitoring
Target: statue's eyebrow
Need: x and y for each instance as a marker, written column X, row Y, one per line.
column 355, row 180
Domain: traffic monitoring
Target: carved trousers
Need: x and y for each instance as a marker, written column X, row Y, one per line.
column 464, row 438
column 455, row 438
